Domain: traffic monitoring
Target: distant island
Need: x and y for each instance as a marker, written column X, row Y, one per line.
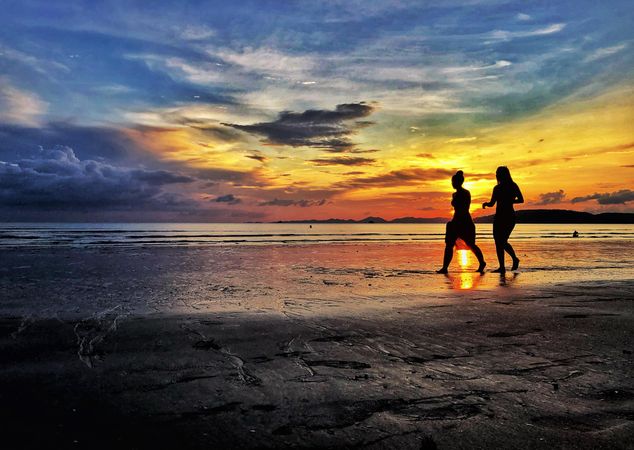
column 523, row 216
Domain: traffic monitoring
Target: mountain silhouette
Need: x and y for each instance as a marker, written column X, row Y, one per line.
column 523, row 216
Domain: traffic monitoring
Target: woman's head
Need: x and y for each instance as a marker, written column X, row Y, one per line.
column 457, row 179
column 503, row 175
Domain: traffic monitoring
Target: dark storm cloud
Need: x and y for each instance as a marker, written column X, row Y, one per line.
column 57, row 179
column 303, row 203
column 343, row 161
column 91, row 142
column 318, row 128
column 229, row 199
column 608, row 198
column 235, row 177
column 159, row 177
column 549, row 198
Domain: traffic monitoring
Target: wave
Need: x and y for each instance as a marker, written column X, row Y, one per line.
column 99, row 235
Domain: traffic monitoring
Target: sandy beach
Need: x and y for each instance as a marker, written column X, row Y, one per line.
column 347, row 346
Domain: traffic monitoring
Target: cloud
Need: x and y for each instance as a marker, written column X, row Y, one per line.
column 269, row 61
column 201, row 116
column 88, row 142
column 608, row 198
column 401, row 177
column 57, row 179
column 41, row 66
column 196, row 33
column 229, row 199
column 318, row 128
column 344, row 161
column 234, row 177
column 461, row 140
column 113, row 89
column 475, row 68
column 523, row 17
column 604, row 52
column 157, row 177
column 303, row 203
column 504, row 35
column 19, row 107
column 550, row 198
column 257, row 157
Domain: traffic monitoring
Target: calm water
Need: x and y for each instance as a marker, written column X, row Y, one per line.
column 187, row 234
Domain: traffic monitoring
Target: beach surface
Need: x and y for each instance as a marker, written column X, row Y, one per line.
column 319, row 345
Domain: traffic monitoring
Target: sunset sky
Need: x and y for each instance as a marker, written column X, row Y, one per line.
column 275, row 110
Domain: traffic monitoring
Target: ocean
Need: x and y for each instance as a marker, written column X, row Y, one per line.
column 206, row 234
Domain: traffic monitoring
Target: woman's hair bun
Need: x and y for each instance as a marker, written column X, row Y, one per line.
column 458, row 178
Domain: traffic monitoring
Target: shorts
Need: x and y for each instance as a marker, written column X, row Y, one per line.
column 502, row 228
column 460, row 230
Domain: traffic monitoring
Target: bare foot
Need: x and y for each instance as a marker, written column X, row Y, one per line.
column 516, row 264
column 443, row 270
column 481, row 267
column 499, row 270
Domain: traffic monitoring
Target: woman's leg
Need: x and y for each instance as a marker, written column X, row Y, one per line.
column 450, row 241
column 516, row 261
column 500, row 238
column 478, row 253
column 470, row 241
column 499, row 250
column 446, row 258
column 509, row 249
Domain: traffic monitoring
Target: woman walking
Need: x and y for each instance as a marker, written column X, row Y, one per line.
column 505, row 194
column 461, row 226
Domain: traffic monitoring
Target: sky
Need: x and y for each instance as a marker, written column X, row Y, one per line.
column 214, row 111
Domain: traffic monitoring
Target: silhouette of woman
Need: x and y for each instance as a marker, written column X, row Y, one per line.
column 505, row 194
column 461, row 226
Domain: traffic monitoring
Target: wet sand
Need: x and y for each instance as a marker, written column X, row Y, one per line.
column 316, row 346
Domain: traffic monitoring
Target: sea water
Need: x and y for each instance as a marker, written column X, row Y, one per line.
column 197, row 234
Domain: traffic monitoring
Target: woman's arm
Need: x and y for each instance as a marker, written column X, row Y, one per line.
column 519, row 198
column 491, row 203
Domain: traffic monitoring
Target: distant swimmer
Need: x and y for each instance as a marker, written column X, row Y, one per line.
column 505, row 194
column 575, row 234
column 461, row 226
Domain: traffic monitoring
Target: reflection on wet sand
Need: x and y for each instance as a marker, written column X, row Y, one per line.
column 464, row 280
column 507, row 279
column 467, row 279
